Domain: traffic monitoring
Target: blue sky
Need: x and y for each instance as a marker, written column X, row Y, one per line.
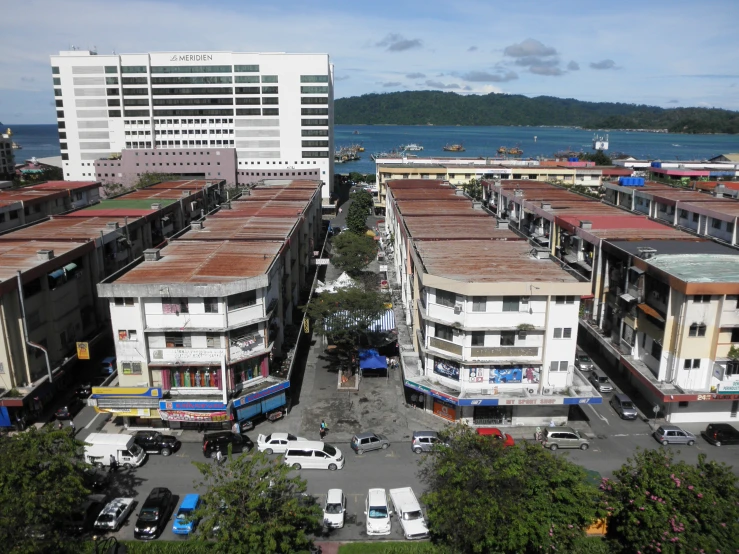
column 668, row 53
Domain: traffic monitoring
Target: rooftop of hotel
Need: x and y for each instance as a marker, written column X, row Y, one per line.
column 486, row 261
column 67, row 229
column 200, row 262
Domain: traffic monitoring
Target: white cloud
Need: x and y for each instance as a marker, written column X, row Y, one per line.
column 394, row 42
column 529, row 47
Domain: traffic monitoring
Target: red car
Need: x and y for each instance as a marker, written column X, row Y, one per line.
column 497, row 433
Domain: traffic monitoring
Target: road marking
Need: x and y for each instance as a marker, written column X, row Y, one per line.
column 602, row 417
column 93, row 420
column 391, row 455
column 621, row 435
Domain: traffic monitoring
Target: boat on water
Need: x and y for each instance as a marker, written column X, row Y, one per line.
column 17, row 146
column 355, row 133
column 502, row 150
column 391, row 154
column 453, row 148
column 412, row 147
column 515, row 151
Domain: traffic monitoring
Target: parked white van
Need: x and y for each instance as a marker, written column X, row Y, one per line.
column 378, row 512
column 409, row 513
column 313, row 455
column 102, row 448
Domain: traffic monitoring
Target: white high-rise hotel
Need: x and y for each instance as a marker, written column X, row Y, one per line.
column 242, row 117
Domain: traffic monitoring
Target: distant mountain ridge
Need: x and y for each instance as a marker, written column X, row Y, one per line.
column 450, row 108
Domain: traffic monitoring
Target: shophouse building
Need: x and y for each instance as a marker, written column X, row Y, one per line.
column 201, row 323
column 661, row 297
column 23, row 206
column 494, row 320
column 241, row 117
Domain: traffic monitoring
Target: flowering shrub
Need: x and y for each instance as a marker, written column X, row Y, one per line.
column 659, row 505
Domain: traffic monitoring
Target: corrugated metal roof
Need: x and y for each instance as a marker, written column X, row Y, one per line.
column 456, row 228
column 128, row 203
column 438, row 208
column 488, row 261
column 398, row 184
column 182, row 184
column 66, row 185
column 30, row 196
column 23, row 256
column 67, row 229
column 243, row 228
column 204, row 262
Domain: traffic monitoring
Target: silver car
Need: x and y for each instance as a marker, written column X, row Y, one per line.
column 624, row 407
column 424, row 441
column 563, row 437
column 601, row 382
column 672, row 434
column 364, row 442
column 583, row 361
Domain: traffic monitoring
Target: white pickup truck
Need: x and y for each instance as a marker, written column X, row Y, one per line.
column 409, row 513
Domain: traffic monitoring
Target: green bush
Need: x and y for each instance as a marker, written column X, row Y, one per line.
column 392, row 548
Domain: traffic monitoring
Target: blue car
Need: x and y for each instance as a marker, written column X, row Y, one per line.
column 184, row 523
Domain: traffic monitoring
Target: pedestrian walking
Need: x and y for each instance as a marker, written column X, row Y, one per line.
column 71, row 425
column 113, row 463
column 219, row 457
column 60, row 425
column 340, row 209
column 323, row 429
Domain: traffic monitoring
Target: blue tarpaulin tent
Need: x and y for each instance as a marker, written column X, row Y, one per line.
column 371, row 359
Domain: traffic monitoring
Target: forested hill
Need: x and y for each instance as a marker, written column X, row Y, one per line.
column 449, row 108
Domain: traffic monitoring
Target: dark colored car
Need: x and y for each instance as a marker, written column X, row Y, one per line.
column 720, row 433
column 219, row 441
column 155, row 442
column 96, row 480
column 83, row 391
column 83, row 518
column 154, row 514
column 69, row 410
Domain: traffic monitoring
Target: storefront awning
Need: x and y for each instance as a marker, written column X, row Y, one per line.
column 651, row 312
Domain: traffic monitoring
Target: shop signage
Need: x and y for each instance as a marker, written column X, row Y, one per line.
column 188, row 354
column 83, row 351
column 193, row 416
column 247, row 399
column 127, row 391
column 729, row 388
column 167, row 405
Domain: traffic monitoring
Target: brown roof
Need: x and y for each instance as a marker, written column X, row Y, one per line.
column 65, row 185
column 67, row 229
column 182, row 184
column 488, row 261
column 193, row 262
column 15, row 256
column 243, row 229
column 263, row 208
column 456, row 228
column 29, row 196
column 438, row 208
column 398, row 184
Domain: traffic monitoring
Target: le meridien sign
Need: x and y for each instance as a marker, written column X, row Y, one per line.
column 191, row 58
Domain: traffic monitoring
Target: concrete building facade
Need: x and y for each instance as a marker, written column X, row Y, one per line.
column 259, row 114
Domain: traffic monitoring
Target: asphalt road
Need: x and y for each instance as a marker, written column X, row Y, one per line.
column 391, row 468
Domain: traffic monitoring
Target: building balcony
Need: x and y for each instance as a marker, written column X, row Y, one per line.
column 184, row 356
column 248, row 347
column 446, row 346
column 156, row 322
column 506, row 352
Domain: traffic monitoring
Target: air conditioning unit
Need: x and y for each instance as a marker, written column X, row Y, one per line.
column 485, row 392
column 193, row 206
column 546, row 391
column 457, row 332
column 458, row 308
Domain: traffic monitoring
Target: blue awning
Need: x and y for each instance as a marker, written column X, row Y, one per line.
column 371, row 359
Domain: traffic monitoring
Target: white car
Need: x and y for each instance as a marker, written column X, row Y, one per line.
column 276, row 443
column 378, row 513
column 114, row 514
column 335, row 509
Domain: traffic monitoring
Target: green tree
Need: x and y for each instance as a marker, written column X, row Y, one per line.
column 659, row 505
column 346, row 315
column 474, row 189
column 356, row 218
column 149, row 178
column 351, row 252
column 251, row 504
column 599, row 157
column 41, row 482
column 356, row 176
column 505, row 500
